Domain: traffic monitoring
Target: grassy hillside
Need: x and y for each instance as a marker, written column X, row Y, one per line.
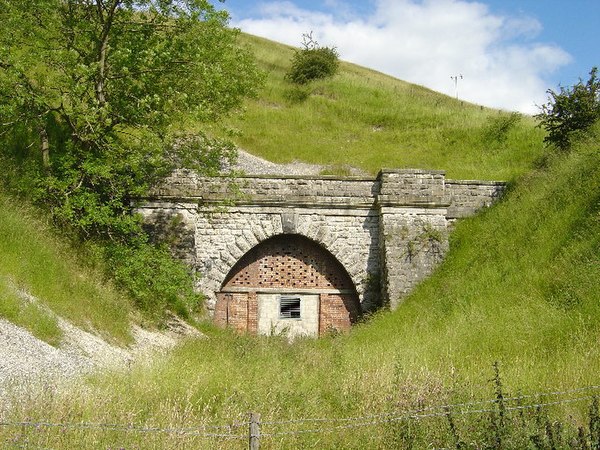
column 520, row 286
column 34, row 262
column 371, row 120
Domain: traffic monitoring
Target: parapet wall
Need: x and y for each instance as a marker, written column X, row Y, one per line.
column 289, row 190
column 469, row 196
column 412, row 187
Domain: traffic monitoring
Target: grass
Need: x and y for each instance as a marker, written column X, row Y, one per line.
column 371, row 120
column 519, row 288
column 41, row 323
column 35, row 261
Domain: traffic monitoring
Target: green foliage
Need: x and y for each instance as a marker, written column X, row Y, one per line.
column 34, row 262
column 114, row 79
column 497, row 128
column 153, row 278
column 93, row 100
column 312, row 62
column 296, row 94
column 571, row 111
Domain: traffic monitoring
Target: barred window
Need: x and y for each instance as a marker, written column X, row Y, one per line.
column 289, row 307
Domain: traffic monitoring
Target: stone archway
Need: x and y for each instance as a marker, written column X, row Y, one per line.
column 287, row 284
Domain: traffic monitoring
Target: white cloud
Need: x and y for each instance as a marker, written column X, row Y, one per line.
column 428, row 41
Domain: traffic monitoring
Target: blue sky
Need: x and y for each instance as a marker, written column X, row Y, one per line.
column 509, row 52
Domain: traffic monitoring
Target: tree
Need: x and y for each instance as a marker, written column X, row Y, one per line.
column 105, row 90
column 117, row 78
column 312, row 62
column 571, row 111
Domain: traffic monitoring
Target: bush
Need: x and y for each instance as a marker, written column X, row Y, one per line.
column 312, row 62
column 571, row 111
column 153, row 278
column 296, row 94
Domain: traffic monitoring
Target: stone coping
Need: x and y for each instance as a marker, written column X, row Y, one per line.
column 477, row 182
column 351, row 178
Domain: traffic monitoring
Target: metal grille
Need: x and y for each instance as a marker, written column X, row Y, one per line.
column 289, row 307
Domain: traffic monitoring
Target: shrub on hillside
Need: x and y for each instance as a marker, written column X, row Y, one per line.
column 312, row 62
column 497, row 128
column 153, row 278
column 571, row 111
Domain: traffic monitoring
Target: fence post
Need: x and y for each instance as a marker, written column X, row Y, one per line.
column 254, row 432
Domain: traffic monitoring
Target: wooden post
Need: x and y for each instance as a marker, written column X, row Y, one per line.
column 254, row 432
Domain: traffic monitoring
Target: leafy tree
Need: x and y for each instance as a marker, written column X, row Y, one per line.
column 571, row 111
column 312, row 62
column 95, row 96
column 117, row 77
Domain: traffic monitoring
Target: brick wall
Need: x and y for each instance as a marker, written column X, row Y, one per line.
column 288, row 261
column 237, row 310
column 293, row 264
column 337, row 312
column 232, row 310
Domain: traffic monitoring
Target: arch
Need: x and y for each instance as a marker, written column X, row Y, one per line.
column 259, row 228
column 287, row 266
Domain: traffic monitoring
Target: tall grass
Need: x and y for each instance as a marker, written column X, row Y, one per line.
column 513, row 310
column 29, row 315
column 371, row 120
column 35, row 261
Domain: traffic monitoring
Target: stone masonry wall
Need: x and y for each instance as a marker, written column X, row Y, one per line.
column 467, row 197
column 412, row 223
column 388, row 233
column 414, row 241
column 290, row 190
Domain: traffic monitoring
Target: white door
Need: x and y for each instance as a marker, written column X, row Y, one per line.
column 290, row 314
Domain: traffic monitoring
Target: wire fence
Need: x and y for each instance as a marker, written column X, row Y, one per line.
column 205, row 431
column 254, row 430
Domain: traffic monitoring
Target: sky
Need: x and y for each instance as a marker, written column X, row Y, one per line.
column 499, row 53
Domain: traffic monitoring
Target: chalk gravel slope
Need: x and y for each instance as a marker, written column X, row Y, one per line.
column 27, row 363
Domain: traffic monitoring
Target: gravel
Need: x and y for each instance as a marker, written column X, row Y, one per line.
column 253, row 165
column 27, row 363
